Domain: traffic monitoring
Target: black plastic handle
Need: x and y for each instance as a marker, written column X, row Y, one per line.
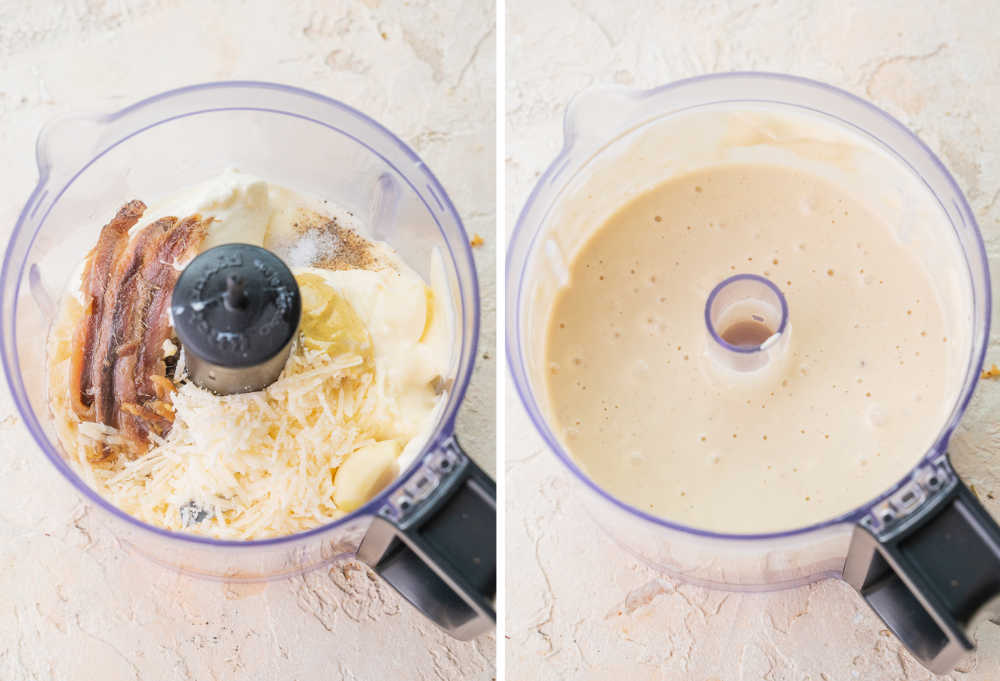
column 434, row 541
column 927, row 560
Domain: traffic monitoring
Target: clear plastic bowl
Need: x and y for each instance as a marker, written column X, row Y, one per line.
column 579, row 189
column 90, row 164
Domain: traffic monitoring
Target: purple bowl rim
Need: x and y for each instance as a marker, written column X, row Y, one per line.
column 745, row 276
column 526, row 397
column 445, row 427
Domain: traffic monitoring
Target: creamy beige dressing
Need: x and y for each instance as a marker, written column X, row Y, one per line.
column 866, row 382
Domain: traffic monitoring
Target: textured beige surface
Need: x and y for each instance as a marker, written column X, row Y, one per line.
column 73, row 603
column 578, row 608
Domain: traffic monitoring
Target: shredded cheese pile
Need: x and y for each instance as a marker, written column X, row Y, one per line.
column 244, row 466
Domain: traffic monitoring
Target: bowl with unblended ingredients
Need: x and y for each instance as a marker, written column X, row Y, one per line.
column 747, row 312
column 240, row 319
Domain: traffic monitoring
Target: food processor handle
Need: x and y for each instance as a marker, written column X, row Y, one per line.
column 434, row 541
column 927, row 560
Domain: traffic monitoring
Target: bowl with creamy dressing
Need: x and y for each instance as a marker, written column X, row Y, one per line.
column 747, row 311
column 313, row 225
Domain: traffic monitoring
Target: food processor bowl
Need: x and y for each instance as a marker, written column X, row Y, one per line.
column 431, row 533
column 689, row 125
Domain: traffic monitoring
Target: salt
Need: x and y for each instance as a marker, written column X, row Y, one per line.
column 309, row 248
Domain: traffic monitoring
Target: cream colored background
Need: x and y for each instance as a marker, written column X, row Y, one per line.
column 579, row 609
column 73, row 604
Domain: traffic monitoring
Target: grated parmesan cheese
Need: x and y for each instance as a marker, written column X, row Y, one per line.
column 247, row 466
